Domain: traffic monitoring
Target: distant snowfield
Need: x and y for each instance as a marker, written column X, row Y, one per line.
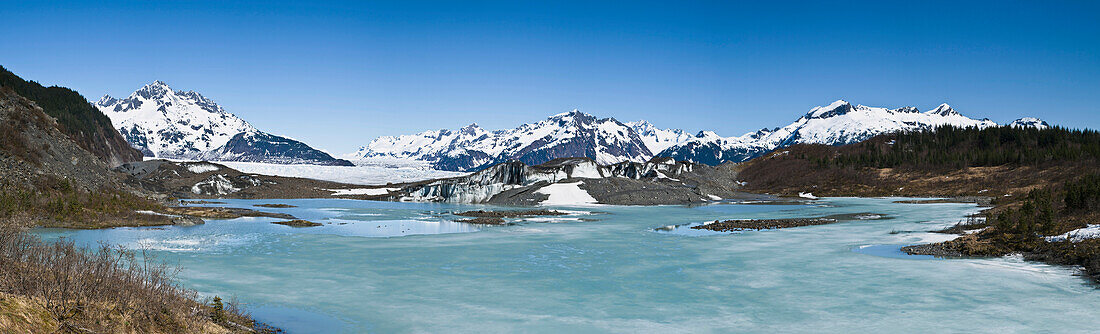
column 363, row 191
column 369, row 173
column 566, row 194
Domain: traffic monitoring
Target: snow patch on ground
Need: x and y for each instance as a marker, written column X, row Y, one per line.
column 1090, row 232
column 148, row 212
column 368, row 175
column 362, row 191
column 566, row 194
column 199, row 168
column 215, row 185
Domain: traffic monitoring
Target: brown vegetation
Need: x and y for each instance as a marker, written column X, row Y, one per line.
column 220, row 212
column 55, row 202
column 58, row 287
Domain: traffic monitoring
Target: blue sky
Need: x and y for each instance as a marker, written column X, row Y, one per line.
column 338, row 74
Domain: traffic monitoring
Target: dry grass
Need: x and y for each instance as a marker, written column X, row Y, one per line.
column 54, row 202
column 59, row 287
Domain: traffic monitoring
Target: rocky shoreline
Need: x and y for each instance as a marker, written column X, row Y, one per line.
column 483, row 221
column 483, row 217
column 983, row 201
column 510, row 213
column 297, row 223
column 762, row 224
column 221, row 212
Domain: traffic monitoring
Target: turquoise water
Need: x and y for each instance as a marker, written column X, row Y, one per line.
column 404, row 267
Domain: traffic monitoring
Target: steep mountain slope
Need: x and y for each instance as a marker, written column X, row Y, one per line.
column 164, row 123
column 76, row 118
column 47, row 179
column 571, row 134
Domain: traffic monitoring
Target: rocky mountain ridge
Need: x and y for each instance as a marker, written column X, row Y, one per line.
column 164, row 123
column 608, row 141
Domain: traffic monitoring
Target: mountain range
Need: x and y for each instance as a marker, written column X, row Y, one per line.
column 164, row 123
column 609, row 141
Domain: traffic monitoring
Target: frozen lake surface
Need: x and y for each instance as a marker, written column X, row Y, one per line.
column 406, row 267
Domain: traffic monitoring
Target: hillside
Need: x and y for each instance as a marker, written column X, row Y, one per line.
column 946, row 161
column 1043, row 183
column 47, row 179
column 76, row 118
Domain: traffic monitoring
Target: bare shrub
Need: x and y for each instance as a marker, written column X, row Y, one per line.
column 79, row 287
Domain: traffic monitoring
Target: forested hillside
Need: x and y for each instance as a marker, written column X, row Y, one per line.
column 76, row 117
column 1044, row 184
column 952, row 148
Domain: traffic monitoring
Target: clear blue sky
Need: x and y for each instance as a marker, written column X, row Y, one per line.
column 338, row 74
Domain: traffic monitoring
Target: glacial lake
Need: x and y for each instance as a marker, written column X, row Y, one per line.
column 405, row 267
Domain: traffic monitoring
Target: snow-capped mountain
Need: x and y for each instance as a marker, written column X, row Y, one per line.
column 838, row 123
column 576, row 134
column 571, row 134
column 171, row 124
column 657, row 139
column 1030, row 122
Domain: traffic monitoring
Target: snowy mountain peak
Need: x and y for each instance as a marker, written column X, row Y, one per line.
column 106, row 100
column 907, row 110
column 571, row 113
column 606, row 140
column 837, row 108
column 153, row 90
column 569, row 134
column 186, row 125
column 575, row 117
column 1030, row 122
column 472, row 130
column 944, row 110
column 839, row 123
